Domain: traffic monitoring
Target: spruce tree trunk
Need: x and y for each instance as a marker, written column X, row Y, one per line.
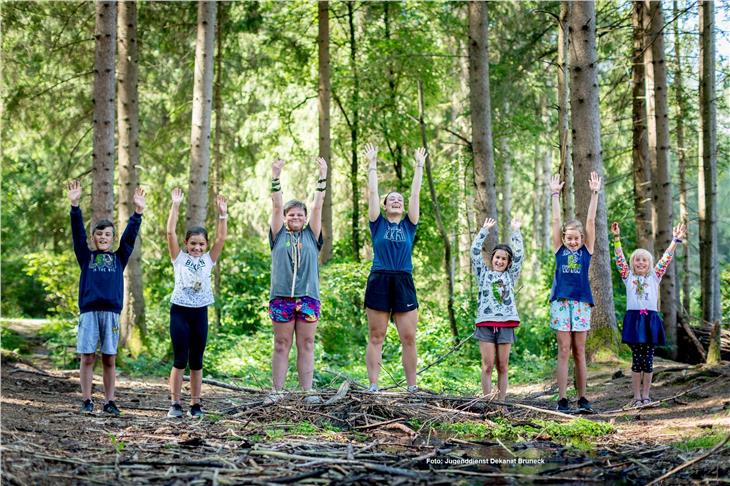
column 217, row 156
column 643, row 199
column 397, row 149
column 197, row 197
column 709, row 272
column 537, row 202
column 681, row 156
column 354, row 127
column 566, row 162
column 132, row 316
column 324, row 93
column 506, row 219
column 587, row 157
column 102, row 189
column 658, row 137
column 481, row 118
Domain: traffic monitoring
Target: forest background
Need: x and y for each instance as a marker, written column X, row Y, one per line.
column 265, row 103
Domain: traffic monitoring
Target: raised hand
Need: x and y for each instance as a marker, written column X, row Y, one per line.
column 489, row 222
column 177, row 196
column 555, row 184
column 276, row 167
column 679, row 231
column 322, row 167
column 516, row 224
column 222, row 205
column 595, row 182
column 421, row 155
column 371, row 155
column 74, row 192
column 139, row 200
column 615, row 229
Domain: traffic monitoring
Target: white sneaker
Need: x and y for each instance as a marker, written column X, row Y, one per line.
column 273, row 397
column 312, row 399
column 373, row 388
column 175, row 411
column 412, row 389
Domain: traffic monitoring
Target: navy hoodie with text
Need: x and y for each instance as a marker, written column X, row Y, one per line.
column 101, row 286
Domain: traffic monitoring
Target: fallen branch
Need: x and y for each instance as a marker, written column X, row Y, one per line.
column 689, row 463
column 227, row 386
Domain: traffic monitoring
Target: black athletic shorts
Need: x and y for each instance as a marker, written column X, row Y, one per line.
column 391, row 291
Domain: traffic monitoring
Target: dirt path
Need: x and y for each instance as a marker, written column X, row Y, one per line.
column 358, row 439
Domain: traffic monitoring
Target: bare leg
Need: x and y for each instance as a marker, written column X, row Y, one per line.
column 502, row 368
column 489, row 353
column 86, row 374
column 377, row 327
column 196, row 385
column 406, row 323
column 646, row 386
column 108, row 362
column 564, row 344
column 636, row 384
column 283, row 334
column 579, row 357
column 175, row 382
column 305, row 352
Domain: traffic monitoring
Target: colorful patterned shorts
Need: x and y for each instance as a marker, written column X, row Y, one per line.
column 287, row 309
column 570, row 315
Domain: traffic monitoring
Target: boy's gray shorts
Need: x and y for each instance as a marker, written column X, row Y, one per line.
column 96, row 327
column 504, row 335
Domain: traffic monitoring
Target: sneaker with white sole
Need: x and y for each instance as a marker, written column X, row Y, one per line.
column 373, row 388
column 312, row 399
column 111, row 408
column 175, row 411
column 196, row 411
column 412, row 389
column 273, row 397
column 87, row 406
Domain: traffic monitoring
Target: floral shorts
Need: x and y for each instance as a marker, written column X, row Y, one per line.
column 570, row 315
column 287, row 309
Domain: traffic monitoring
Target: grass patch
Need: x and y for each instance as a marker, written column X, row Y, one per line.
column 305, row 428
column 12, row 341
column 706, row 441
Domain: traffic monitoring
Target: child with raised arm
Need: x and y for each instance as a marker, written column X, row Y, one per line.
column 643, row 328
column 101, row 293
column 497, row 315
column 570, row 297
column 190, row 300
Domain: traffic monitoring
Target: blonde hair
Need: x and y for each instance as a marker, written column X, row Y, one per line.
column 573, row 224
column 643, row 252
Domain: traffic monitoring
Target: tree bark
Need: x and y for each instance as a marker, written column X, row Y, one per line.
column 197, row 201
column 681, row 156
column 128, row 152
column 324, row 93
column 709, row 272
column 354, row 127
column 102, row 189
column 217, row 156
column 566, row 162
column 643, row 199
column 587, row 157
column 448, row 263
column 658, row 138
column 481, row 120
column 397, row 149
column 506, row 219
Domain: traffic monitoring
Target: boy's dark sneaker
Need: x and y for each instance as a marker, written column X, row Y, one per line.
column 175, row 411
column 564, row 405
column 87, row 406
column 111, row 408
column 584, row 406
column 196, row 411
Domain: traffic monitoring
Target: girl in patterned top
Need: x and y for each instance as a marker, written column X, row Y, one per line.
column 643, row 327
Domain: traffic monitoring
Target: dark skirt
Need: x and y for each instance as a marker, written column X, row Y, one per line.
column 643, row 328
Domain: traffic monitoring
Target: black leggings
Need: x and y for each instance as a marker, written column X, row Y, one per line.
column 642, row 358
column 189, row 333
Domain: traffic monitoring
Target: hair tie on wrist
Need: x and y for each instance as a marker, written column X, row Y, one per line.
column 555, row 193
column 677, row 240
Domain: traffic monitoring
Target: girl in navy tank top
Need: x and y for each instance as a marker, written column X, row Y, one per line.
column 570, row 297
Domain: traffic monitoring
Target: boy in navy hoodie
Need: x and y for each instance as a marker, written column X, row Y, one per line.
column 101, row 293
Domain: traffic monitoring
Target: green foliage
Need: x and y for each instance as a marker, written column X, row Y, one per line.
column 245, row 289
column 12, row 341
column 117, row 443
column 59, row 276
column 705, row 441
column 59, row 337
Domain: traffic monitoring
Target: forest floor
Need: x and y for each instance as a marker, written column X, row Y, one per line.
column 362, row 438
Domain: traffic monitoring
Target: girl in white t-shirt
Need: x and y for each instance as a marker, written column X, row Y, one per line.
column 190, row 300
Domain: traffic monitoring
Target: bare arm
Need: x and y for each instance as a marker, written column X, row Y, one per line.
column 172, row 244
column 277, row 203
column 371, row 154
column 222, row 230
column 414, row 209
column 555, row 187
column 595, row 185
column 477, row 260
column 678, row 234
column 315, row 221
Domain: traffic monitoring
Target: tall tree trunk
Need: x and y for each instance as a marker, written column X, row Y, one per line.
column 481, row 119
column 643, row 198
column 681, row 154
column 132, row 316
column 197, row 205
column 217, row 156
column 566, row 162
column 506, row 219
column 587, row 157
column 397, row 150
column 547, row 170
column 324, row 93
column 354, row 126
column 448, row 263
column 102, row 189
column 658, row 133
column 709, row 272
column 537, row 201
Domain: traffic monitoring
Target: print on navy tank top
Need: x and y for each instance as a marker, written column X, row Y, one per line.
column 573, row 265
column 394, row 233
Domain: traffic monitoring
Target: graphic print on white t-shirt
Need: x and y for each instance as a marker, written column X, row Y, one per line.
column 192, row 280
